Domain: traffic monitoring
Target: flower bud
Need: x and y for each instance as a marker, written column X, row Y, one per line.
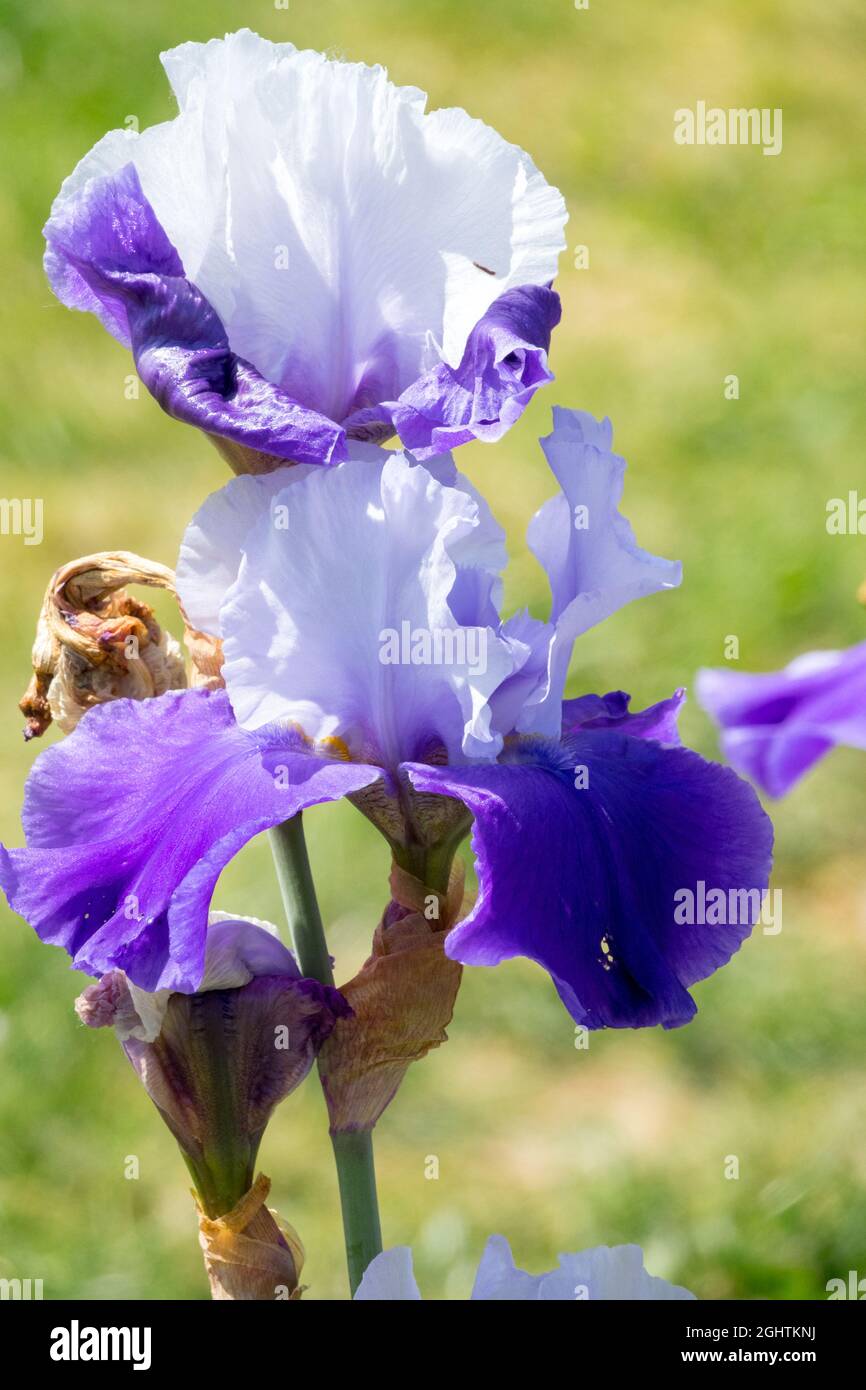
column 215, row 1064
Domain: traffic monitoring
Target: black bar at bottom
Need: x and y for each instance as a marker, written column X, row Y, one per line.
column 67, row 1338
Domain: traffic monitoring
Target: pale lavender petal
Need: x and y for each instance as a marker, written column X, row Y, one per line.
column 240, row 948
column 212, row 547
column 608, row 1273
column 215, row 540
column 389, row 1278
column 602, row 1273
column 588, row 549
column 498, row 1278
column 343, row 621
column 530, row 641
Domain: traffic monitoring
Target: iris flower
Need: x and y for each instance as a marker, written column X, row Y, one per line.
column 776, row 726
column 588, row 818
column 215, row 1064
column 187, row 1049
column 304, row 256
column 603, row 1273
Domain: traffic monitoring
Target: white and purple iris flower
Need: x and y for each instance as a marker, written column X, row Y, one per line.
column 775, row 727
column 604, row 1273
column 304, row 257
column 365, row 657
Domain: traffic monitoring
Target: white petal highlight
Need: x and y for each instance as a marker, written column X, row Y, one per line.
column 238, row 949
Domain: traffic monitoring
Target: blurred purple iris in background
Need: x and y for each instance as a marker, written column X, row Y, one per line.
column 775, row 727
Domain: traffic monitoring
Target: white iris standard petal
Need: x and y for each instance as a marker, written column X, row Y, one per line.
column 210, row 553
column 213, row 543
column 341, row 618
column 348, row 240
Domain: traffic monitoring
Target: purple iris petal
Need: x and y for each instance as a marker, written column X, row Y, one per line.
column 503, row 365
column 130, row 821
column 584, row 880
column 611, row 711
column 108, row 253
column 776, row 726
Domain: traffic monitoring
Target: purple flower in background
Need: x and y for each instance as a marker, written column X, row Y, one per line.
column 303, row 256
column 603, row 1273
column 776, row 726
column 366, row 657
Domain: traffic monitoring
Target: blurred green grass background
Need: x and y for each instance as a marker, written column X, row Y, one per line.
column 703, row 262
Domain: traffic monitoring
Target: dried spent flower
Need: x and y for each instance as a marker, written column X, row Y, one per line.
column 95, row 642
column 402, row 1000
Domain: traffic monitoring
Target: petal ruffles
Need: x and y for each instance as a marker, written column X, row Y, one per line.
column 108, row 253
column 131, row 819
column 582, row 848
column 324, row 245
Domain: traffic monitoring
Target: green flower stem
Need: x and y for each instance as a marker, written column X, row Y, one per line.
column 353, row 1153
column 299, row 900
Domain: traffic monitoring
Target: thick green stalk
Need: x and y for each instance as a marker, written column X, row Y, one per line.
column 299, row 900
column 353, row 1153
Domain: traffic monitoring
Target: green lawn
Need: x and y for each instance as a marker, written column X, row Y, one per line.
column 703, row 262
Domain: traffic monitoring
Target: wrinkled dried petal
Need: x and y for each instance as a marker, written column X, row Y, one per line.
column 249, row 1253
column 206, row 659
column 402, row 1001
column 95, row 642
